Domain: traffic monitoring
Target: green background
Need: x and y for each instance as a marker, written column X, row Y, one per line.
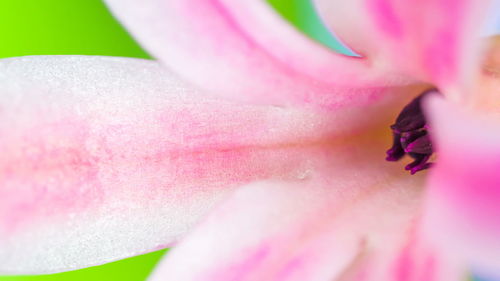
column 85, row 27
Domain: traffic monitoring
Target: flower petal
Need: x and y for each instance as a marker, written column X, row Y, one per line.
column 244, row 50
column 487, row 92
column 104, row 158
column 464, row 189
column 492, row 24
column 434, row 39
column 347, row 218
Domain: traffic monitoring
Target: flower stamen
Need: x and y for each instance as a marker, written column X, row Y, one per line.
column 411, row 136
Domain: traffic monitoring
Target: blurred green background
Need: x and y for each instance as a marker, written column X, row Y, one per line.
column 85, row 27
column 56, row 27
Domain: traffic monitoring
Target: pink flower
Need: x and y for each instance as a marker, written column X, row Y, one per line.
column 104, row 158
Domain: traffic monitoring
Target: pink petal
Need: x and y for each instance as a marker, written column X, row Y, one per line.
column 464, row 189
column 104, row 158
column 487, row 92
column 244, row 50
column 434, row 39
column 349, row 218
column 409, row 257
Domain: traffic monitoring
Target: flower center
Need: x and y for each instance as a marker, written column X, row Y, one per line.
column 411, row 136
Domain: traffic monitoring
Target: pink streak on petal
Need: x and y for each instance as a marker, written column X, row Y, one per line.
column 442, row 55
column 464, row 189
column 258, row 57
column 45, row 162
column 122, row 154
column 243, row 267
column 416, row 262
column 476, row 190
column 283, row 43
column 404, row 266
column 419, row 258
column 291, row 268
column 386, row 18
column 312, row 229
column 429, row 39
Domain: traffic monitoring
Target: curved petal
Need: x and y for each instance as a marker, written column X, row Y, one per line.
column 487, row 94
column 243, row 50
column 103, row 158
column 492, row 24
column 464, row 189
column 347, row 219
column 434, row 39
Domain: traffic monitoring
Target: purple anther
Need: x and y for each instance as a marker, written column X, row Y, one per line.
column 420, row 163
column 397, row 151
column 408, row 137
column 421, row 145
column 411, row 136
